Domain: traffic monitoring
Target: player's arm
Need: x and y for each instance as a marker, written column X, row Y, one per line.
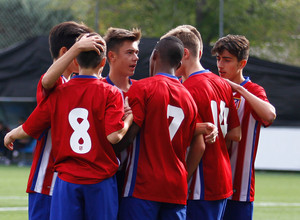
column 10, row 137
column 234, row 134
column 86, row 43
column 117, row 136
column 263, row 109
column 195, row 154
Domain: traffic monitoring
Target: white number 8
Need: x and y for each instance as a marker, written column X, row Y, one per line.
column 80, row 140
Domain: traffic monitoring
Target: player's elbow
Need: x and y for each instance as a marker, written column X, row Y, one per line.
column 114, row 137
column 271, row 117
column 46, row 84
column 235, row 134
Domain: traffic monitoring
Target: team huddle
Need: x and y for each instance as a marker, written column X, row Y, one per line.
column 180, row 144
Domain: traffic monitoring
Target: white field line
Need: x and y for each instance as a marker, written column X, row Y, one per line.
column 13, row 197
column 8, row 209
column 276, row 204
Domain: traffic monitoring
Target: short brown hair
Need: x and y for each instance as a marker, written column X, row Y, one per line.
column 237, row 45
column 115, row 37
column 190, row 37
column 65, row 35
column 90, row 59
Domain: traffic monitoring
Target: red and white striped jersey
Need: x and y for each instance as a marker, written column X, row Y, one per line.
column 243, row 153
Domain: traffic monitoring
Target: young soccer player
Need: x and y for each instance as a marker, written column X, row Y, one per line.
column 211, row 183
column 254, row 110
column 85, row 115
column 122, row 56
column 42, row 178
column 165, row 114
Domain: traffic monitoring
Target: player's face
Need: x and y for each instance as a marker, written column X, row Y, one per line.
column 127, row 57
column 228, row 66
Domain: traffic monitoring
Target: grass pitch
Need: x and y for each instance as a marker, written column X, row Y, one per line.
column 277, row 194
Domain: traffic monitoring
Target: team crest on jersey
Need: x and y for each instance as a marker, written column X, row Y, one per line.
column 237, row 102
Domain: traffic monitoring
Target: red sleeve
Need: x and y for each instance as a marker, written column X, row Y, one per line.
column 233, row 118
column 42, row 93
column 137, row 103
column 114, row 111
column 38, row 121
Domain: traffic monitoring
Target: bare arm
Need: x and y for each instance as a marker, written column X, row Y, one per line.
column 234, row 134
column 86, row 43
column 10, row 137
column 263, row 109
column 117, row 136
column 195, row 154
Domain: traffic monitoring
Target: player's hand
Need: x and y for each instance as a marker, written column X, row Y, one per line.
column 9, row 141
column 233, row 85
column 91, row 41
column 127, row 109
column 211, row 132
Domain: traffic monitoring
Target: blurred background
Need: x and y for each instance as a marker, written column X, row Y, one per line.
column 272, row 27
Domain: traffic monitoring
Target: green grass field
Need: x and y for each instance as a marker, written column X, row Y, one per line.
column 277, row 194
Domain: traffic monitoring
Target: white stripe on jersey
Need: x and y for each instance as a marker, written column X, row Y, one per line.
column 131, row 158
column 247, row 159
column 44, row 164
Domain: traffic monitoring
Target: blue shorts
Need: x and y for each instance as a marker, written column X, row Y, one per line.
column 208, row 210
column 133, row 208
column 85, row 201
column 38, row 206
column 236, row 210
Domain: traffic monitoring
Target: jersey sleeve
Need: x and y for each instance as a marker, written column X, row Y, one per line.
column 38, row 121
column 114, row 112
column 41, row 92
column 137, row 103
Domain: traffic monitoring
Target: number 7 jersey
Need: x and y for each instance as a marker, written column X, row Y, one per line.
column 213, row 96
column 166, row 114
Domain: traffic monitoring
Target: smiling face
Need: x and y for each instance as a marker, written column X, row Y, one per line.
column 126, row 58
column 229, row 67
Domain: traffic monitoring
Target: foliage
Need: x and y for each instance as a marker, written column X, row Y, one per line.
column 23, row 19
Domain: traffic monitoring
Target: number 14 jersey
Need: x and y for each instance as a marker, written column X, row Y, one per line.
column 213, row 96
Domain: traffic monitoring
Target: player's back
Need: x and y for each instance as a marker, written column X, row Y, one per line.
column 213, row 96
column 84, row 111
column 166, row 113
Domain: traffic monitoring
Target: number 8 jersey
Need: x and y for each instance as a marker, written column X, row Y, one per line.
column 82, row 113
column 166, row 114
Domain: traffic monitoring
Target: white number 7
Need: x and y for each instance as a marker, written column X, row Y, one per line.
column 178, row 117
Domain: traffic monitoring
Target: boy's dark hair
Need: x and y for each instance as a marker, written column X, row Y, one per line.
column 91, row 59
column 65, row 35
column 237, row 45
column 190, row 37
column 115, row 37
column 171, row 50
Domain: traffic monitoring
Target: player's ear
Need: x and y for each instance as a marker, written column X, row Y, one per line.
column 243, row 63
column 111, row 56
column 75, row 62
column 62, row 51
column 102, row 63
column 186, row 53
column 179, row 65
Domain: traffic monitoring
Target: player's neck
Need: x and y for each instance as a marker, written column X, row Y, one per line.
column 89, row 72
column 192, row 67
column 120, row 81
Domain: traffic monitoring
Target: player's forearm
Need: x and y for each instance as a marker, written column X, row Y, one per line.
column 263, row 109
column 10, row 137
column 117, row 136
column 234, row 134
column 59, row 67
column 195, row 154
column 127, row 139
column 209, row 130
